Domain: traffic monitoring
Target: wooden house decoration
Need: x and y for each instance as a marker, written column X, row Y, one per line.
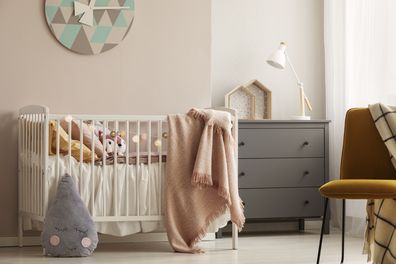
column 263, row 99
column 242, row 100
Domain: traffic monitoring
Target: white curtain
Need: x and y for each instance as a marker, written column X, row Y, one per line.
column 360, row 55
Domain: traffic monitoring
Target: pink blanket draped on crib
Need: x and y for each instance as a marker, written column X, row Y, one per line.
column 201, row 182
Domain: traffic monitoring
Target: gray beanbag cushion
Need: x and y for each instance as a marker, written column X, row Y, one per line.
column 69, row 230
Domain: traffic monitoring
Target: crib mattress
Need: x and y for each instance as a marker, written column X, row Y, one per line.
column 144, row 190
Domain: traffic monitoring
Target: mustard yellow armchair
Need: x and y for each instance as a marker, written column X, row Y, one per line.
column 366, row 170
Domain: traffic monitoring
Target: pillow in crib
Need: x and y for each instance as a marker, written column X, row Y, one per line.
column 68, row 230
column 87, row 136
column 64, row 144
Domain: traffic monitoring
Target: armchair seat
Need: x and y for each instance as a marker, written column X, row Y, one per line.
column 366, row 170
column 359, row 189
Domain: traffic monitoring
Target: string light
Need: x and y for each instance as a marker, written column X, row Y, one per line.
column 135, row 138
column 68, row 118
column 158, row 143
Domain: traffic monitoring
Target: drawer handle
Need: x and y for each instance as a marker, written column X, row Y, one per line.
column 241, row 144
column 306, row 173
column 306, row 202
column 306, row 143
column 241, row 174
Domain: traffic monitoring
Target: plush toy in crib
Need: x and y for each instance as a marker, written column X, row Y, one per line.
column 113, row 140
column 115, row 143
column 68, row 230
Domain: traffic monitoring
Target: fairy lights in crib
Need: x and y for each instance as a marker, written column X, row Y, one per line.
column 157, row 143
column 135, row 139
column 68, row 118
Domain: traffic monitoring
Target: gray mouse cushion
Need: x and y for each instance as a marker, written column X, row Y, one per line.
column 69, row 230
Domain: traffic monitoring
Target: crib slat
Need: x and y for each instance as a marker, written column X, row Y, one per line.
column 149, row 167
column 31, row 168
column 115, row 193
column 159, row 168
column 36, row 167
column 20, row 173
column 38, row 159
column 137, row 187
column 25, row 153
column 26, row 157
column 70, row 144
column 44, row 161
column 21, row 161
column 127, row 169
column 33, row 163
column 92, row 172
column 81, row 156
column 41, row 169
column 57, row 149
column 104, row 168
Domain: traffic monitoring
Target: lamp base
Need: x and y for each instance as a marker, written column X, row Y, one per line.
column 301, row 117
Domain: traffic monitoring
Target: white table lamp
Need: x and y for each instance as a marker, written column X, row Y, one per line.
column 278, row 60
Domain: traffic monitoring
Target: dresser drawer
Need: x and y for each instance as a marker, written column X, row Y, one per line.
column 282, row 203
column 279, row 143
column 270, row 173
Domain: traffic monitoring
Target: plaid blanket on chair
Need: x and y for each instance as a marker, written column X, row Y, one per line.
column 380, row 241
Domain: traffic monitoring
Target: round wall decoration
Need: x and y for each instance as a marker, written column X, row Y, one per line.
column 90, row 26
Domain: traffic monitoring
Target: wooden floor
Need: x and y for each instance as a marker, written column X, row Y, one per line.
column 268, row 248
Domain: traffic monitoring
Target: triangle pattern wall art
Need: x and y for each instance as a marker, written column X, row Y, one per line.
column 90, row 26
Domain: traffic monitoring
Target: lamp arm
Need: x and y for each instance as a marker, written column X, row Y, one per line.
column 308, row 102
column 292, row 67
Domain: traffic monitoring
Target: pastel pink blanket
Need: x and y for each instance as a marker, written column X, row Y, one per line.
column 201, row 182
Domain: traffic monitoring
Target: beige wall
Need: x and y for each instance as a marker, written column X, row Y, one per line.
column 163, row 66
column 246, row 32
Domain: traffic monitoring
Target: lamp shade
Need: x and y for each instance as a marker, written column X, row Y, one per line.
column 278, row 58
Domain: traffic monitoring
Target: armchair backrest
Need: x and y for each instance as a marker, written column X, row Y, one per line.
column 364, row 155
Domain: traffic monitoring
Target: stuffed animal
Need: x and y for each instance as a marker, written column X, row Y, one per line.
column 113, row 140
column 68, row 230
column 116, row 143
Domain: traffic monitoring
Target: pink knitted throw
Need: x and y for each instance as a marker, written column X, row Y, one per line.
column 201, row 181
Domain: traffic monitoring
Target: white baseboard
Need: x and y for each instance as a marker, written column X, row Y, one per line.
column 140, row 237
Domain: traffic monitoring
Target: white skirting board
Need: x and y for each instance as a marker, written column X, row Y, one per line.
column 140, row 237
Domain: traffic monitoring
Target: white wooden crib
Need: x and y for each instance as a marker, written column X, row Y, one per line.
column 35, row 161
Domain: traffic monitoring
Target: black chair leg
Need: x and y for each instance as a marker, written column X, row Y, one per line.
column 343, row 231
column 322, row 230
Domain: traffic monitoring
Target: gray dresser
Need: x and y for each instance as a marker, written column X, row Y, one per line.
column 281, row 166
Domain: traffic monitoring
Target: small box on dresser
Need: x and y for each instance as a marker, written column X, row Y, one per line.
column 282, row 163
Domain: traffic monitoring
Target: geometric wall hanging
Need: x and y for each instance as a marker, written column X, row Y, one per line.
column 90, row 26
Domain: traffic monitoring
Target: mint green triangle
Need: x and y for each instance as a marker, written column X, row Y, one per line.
column 120, row 21
column 69, row 35
column 67, row 3
column 50, row 11
column 102, row 2
column 130, row 3
column 101, row 34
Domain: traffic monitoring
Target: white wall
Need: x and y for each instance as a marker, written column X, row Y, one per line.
column 246, row 32
column 163, row 66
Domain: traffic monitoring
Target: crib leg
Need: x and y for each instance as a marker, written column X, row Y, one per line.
column 234, row 236
column 20, row 230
